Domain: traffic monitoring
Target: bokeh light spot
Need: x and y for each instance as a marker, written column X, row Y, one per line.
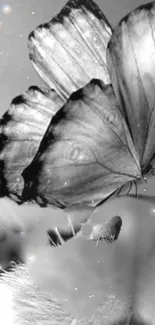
column 6, row 9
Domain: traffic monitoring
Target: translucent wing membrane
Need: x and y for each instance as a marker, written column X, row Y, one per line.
column 86, row 154
column 131, row 62
column 71, row 49
column 21, row 130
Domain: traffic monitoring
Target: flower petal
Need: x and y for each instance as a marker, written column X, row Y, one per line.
column 131, row 63
column 86, row 154
column 70, row 50
column 21, row 130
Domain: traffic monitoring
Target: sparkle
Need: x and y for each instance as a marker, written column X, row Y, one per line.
column 153, row 210
column 21, row 35
column 31, row 258
column 6, row 9
column 32, row 12
column 76, row 288
column 144, row 189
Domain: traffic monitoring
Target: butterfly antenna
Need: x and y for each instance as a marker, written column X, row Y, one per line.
column 55, row 237
column 51, row 241
column 129, row 188
column 71, row 226
column 135, row 183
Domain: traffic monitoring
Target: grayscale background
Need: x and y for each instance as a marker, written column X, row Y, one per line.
column 17, row 19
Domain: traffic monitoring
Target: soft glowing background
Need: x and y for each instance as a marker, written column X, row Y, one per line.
column 17, row 19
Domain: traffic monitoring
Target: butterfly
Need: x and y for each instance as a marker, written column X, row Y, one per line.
column 90, row 135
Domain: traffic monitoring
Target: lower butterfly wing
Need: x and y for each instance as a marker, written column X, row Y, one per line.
column 70, row 50
column 21, row 130
column 131, row 65
column 86, row 154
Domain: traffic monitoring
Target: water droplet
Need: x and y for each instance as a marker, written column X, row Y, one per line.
column 78, row 51
column 153, row 210
column 95, row 39
column 66, row 299
column 18, row 179
column 31, row 258
column 138, row 125
column 98, row 261
column 145, row 190
column 76, row 153
column 76, row 288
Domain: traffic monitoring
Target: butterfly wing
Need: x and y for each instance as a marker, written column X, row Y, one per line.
column 86, row 153
column 21, row 130
column 131, row 63
column 70, row 50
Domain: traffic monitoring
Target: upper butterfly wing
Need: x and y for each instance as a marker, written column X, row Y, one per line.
column 131, row 63
column 70, row 50
column 86, row 153
column 21, row 130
